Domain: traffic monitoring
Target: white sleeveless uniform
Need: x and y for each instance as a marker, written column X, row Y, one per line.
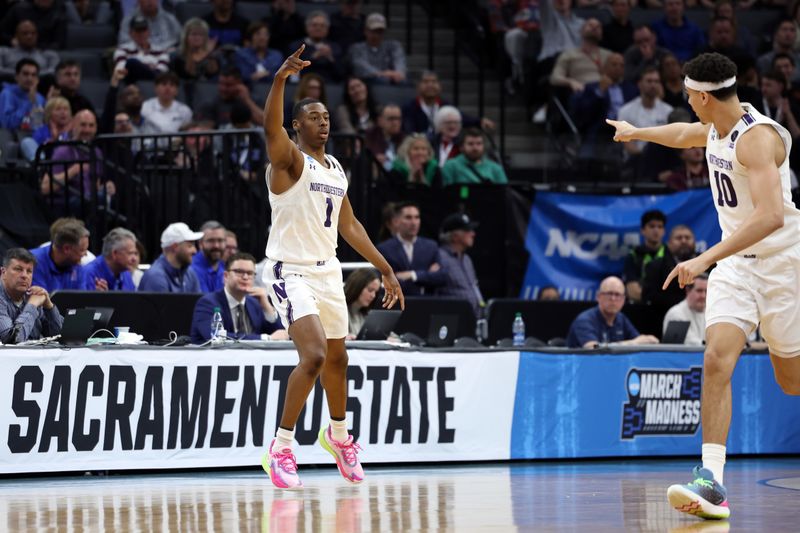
column 761, row 283
column 302, row 272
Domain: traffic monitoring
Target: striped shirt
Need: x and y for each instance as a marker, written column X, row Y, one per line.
column 155, row 58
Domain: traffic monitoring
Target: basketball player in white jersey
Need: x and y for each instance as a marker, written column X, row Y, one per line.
column 308, row 196
column 757, row 277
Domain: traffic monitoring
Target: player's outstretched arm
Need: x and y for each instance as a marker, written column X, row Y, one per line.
column 356, row 236
column 282, row 152
column 675, row 135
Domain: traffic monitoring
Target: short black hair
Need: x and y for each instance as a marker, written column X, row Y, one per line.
column 26, row 61
column 240, row 113
column 776, row 76
column 67, row 63
column 653, row 214
column 647, row 70
column 232, row 71
column 299, row 107
column 167, row 78
column 470, row 132
column 239, row 256
column 20, row 254
column 713, row 68
column 399, row 206
column 782, row 55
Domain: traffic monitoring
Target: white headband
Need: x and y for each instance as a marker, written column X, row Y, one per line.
column 708, row 86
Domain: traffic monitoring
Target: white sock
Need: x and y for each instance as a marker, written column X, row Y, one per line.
column 339, row 430
column 284, row 438
column 714, row 460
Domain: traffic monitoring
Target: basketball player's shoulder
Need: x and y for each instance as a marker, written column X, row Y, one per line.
column 758, row 144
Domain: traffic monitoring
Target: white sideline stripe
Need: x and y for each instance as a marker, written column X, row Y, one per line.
column 345, row 266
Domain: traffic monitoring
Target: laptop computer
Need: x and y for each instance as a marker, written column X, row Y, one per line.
column 442, row 330
column 77, row 327
column 378, row 324
column 101, row 317
column 676, row 332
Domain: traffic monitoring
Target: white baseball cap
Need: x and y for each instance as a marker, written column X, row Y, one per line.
column 177, row 233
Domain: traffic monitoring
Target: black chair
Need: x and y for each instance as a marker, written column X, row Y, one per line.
column 393, row 94
column 253, row 10
column 83, row 36
column 186, row 10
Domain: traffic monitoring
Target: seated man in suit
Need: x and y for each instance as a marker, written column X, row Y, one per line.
column 246, row 311
column 414, row 259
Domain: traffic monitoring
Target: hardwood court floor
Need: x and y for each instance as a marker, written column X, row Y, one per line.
column 583, row 496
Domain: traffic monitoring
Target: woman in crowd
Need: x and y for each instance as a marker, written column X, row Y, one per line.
column 357, row 112
column 415, row 162
column 256, row 60
column 195, row 59
column 447, row 125
column 56, row 127
column 311, row 86
column 360, row 290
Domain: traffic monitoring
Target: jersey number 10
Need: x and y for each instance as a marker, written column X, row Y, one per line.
column 726, row 194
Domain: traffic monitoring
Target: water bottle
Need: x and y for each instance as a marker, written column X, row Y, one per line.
column 218, row 332
column 518, row 331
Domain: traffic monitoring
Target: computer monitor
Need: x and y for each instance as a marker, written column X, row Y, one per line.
column 440, row 321
column 378, row 324
column 676, row 332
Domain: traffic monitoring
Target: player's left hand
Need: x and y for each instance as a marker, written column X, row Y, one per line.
column 686, row 271
column 392, row 292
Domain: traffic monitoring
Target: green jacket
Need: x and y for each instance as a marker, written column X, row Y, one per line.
column 462, row 171
column 431, row 167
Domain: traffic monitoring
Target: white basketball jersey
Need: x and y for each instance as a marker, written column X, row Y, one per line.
column 730, row 184
column 305, row 218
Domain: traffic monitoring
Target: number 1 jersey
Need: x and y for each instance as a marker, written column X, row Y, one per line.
column 305, row 218
column 731, row 188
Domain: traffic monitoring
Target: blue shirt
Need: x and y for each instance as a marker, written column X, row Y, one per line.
column 210, row 280
column 98, row 269
column 22, row 322
column 50, row 277
column 163, row 277
column 247, row 61
column 15, row 106
column 685, row 41
column 591, row 326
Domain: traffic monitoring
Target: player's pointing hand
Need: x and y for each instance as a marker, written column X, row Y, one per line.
column 686, row 271
column 293, row 64
column 624, row 130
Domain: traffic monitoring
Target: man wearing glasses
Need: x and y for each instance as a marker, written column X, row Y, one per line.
column 606, row 324
column 246, row 310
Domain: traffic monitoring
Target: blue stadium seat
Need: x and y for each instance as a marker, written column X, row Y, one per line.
column 304, row 8
column 253, row 11
column 90, row 60
column 393, row 94
column 82, row 36
column 186, row 10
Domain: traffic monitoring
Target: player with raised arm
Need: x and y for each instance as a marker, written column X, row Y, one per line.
column 757, row 278
column 308, row 196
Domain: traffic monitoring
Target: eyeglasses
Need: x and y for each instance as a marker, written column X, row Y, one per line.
column 611, row 294
column 244, row 273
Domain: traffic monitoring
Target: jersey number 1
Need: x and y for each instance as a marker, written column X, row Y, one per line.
column 328, row 211
column 726, row 194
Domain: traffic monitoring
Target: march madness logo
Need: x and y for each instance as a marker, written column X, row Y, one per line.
column 662, row 402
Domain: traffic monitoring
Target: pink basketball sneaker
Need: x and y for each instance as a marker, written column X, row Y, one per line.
column 345, row 453
column 281, row 467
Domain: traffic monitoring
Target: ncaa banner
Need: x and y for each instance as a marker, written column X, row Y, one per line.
column 575, row 240
column 639, row 404
column 107, row 409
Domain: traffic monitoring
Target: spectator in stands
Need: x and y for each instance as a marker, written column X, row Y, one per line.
column 195, row 58
column 324, row 54
column 691, row 309
column 285, row 25
column 457, row 235
column 472, row 166
column 164, row 28
column 645, row 111
column 246, row 151
column 390, row 220
column 25, row 46
column 722, row 39
column 246, row 310
column 561, row 30
column 230, row 88
column 140, row 56
column 677, row 33
column 172, row 271
column 776, row 105
column 198, row 151
column 89, row 12
column 377, row 59
column 447, row 125
column 360, row 290
column 680, row 247
column 207, row 262
column 416, row 163
column 672, row 81
column 226, row 27
column 517, row 22
column 26, row 312
column 644, row 53
column 692, row 174
column 231, row 245
column 56, row 127
column 163, row 113
column 21, row 107
column 49, row 17
column 347, row 24
column 257, row 61
column 311, row 86
column 605, row 323
column 68, row 83
column 131, row 102
column 742, row 35
column 136, row 272
column 618, row 32
column 384, row 139
column 357, row 112
column 111, row 271
column 548, row 293
column 58, row 264
column 414, row 259
column 782, row 43
column 575, row 67
column 784, row 63
column 652, row 230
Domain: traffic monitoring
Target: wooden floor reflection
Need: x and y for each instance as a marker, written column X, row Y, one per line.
column 585, row 496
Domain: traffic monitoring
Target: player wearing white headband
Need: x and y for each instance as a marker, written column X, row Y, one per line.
column 757, row 277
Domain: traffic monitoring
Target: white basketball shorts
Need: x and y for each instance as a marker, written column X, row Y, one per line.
column 748, row 290
column 301, row 290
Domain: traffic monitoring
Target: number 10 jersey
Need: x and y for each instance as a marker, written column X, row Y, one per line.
column 305, row 218
column 731, row 188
